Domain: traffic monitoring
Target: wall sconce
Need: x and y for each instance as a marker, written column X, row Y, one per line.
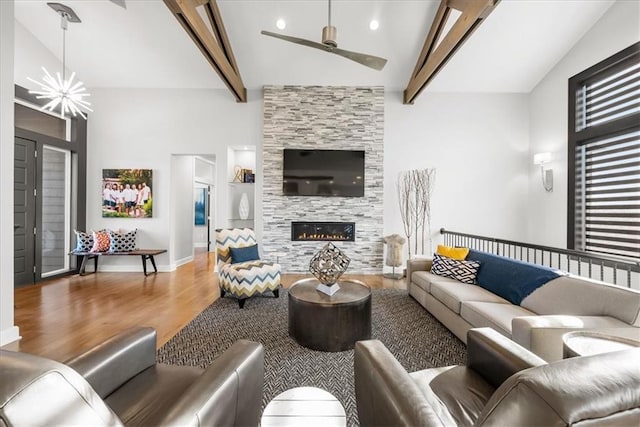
column 546, row 174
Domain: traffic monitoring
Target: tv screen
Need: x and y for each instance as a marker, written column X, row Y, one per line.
column 323, row 173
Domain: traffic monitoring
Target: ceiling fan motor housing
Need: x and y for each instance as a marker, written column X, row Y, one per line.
column 329, row 36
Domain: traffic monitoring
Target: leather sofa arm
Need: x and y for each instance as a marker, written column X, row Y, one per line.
column 421, row 264
column 543, row 334
column 386, row 395
column 115, row 361
column 495, row 357
column 229, row 392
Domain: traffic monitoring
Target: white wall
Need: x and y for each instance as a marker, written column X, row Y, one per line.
column 8, row 331
column 618, row 28
column 143, row 128
column 479, row 146
column 181, row 210
column 31, row 56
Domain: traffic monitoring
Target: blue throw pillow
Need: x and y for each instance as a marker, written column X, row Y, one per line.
column 248, row 253
column 511, row 279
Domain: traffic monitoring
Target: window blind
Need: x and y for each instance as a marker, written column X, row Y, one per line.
column 608, row 195
column 604, row 143
column 609, row 97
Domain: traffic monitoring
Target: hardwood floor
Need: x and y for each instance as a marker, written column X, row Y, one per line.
column 63, row 317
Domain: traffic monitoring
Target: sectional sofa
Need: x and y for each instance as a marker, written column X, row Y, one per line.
column 538, row 321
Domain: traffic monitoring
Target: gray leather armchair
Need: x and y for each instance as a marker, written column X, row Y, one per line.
column 119, row 383
column 502, row 384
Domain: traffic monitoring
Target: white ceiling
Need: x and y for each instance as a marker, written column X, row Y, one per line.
column 144, row 46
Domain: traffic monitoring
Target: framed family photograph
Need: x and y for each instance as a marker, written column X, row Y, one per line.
column 127, row 193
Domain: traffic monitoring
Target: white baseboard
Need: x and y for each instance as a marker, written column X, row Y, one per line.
column 9, row 335
column 183, row 261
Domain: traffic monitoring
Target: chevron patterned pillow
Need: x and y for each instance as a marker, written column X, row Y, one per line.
column 460, row 270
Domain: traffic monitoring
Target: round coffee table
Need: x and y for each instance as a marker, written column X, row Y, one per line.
column 587, row 343
column 329, row 323
column 304, row 406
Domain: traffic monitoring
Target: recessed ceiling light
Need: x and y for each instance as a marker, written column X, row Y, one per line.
column 281, row 24
column 373, row 25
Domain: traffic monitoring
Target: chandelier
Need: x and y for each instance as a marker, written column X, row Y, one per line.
column 63, row 92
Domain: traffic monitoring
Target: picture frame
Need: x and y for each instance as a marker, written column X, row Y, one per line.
column 127, row 193
column 200, row 206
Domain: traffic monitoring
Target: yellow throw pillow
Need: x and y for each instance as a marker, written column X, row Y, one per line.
column 451, row 252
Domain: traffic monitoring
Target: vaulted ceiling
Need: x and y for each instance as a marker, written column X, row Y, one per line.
column 144, row 46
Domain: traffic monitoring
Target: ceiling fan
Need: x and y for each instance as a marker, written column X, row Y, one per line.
column 329, row 44
column 120, row 3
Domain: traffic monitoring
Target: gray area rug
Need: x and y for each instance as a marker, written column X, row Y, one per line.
column 415, row 337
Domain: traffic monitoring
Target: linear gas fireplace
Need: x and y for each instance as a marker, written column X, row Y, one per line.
column 323, row 231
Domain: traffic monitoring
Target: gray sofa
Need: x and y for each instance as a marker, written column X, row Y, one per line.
column 502, row 384
column 119, row 383
column 561, row 305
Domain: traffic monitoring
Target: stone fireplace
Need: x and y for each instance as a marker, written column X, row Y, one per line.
column 323, row 231
column 323, row 118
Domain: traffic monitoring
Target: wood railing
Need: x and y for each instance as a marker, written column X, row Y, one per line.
column 618, row 271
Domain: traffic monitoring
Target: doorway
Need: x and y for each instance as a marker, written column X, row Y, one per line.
column 50, row 189
column 42, row 211
column 203, row 222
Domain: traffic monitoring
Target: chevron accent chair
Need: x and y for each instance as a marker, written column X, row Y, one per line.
column 243, row 279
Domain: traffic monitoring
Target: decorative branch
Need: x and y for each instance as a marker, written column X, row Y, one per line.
column 406, row 201
column 415, row 188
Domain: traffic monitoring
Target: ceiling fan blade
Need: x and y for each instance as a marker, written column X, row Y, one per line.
column 370, row 61
column 303, row 42
column 120, row 3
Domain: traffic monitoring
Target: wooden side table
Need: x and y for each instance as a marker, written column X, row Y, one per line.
column 587, row 343
column 329, row 323
column 304, row 406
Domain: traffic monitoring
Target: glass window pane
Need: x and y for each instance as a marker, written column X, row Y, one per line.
column 55, row 211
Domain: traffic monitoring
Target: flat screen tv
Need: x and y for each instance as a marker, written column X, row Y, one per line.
column 323, row 173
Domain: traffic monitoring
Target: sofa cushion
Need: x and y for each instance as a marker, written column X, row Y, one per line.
column 579, row 296
column 511, row 279
column 464, row 271
column 451, row 293
column 464, row 392
column 422, row 280
column 145, row 398
column 493, row 315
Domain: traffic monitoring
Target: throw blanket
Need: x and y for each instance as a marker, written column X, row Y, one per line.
column 512, row 280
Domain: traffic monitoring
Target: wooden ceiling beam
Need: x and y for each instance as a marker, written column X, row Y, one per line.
column 214, row 45
column 432, row 58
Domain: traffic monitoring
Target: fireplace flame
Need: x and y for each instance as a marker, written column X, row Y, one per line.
column 306, row 236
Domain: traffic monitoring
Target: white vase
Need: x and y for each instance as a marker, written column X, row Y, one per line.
column 243, row 207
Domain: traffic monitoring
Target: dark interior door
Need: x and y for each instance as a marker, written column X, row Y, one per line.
column 24, row 211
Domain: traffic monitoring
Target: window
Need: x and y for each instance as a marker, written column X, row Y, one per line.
column 604, row 157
